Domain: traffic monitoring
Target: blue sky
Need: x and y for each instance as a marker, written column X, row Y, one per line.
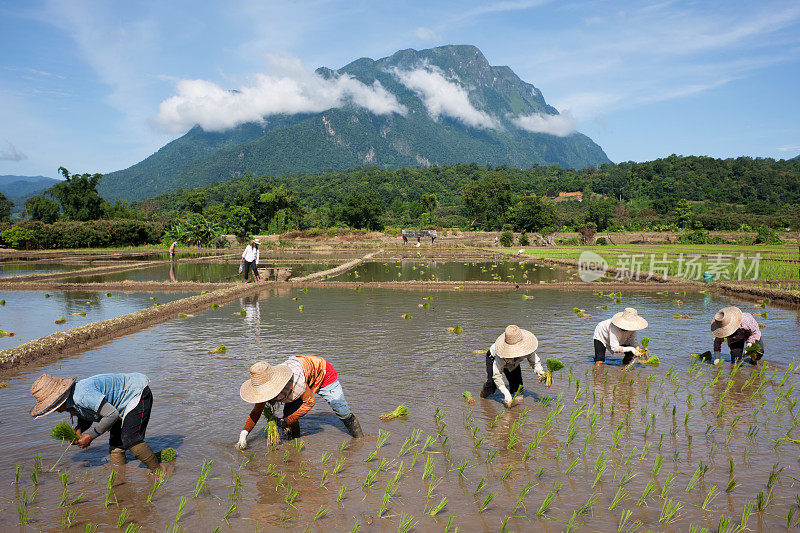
column 81, row 82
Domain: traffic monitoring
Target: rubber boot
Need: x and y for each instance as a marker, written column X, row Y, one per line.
column 145, row 454
column 353, row 427
column 293, row 430
column 116, row 458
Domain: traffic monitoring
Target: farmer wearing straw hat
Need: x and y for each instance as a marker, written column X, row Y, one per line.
column 250, row 258
column 618, row 335
column 504, row 357
column 741, row 331
column 294, row 384
column 117, row 403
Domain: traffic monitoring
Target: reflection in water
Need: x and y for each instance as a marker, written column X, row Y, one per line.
column 413, row 270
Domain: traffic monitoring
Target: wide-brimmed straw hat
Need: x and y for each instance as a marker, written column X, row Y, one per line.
column 256, row 241
column 265, row 382
column 50, row 392
column 515, row 342
column 726, row 321
column 629, row 320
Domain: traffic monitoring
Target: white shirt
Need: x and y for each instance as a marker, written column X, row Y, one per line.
column 501, row 364
column 613, row 337
column 251, row 253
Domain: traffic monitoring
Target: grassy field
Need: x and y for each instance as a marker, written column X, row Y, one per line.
column 727, row 262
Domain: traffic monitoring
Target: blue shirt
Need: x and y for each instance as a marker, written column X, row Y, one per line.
column 123, row 391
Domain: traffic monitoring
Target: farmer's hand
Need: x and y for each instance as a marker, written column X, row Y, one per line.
column 747, row 345
column 84, row 440
column 508, row 402
column 631, row 349
column 542, row 377
column 639, row 352
column 242, row 444
column 281, row 422
column 717, row 357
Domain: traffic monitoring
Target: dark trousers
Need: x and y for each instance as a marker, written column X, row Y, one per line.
column 514, row 377
column 600, row 353
column 125, row 433
column 737, row 351
column 250, row 265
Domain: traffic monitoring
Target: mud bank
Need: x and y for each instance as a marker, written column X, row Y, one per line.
column 78, row 339
column 337, row 270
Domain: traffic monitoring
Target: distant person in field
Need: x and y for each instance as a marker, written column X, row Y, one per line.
column 742, row 333
column 249, row 261
column 618, row 335
column 172, row 251
column 503, row 359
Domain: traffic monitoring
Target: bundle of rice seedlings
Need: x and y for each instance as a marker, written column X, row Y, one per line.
column 401, row 410
column 63, row 431
column 580, row 313
column 468, row 398
column 218, row 350
column 652, row 360
column 679, row 316
column 406, row 316
column 61, row 320
column 705, row 356
column 553, row 365
column 183, row 315
column 6, row 333
column 82, row 313
column 458, row 330
column 167, row 455
column 273, row 437
column 241, row 313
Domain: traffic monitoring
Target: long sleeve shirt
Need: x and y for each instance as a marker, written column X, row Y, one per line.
column 309, row 374
column 614, row 338
column 251, row 254
column 104, row 399
column 500, row 364
column 748, row 332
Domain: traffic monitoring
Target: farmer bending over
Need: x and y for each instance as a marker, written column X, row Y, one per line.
column 505, row 356
column 618, row 335
column 117, row 403
column 740, row 330
column 294, row 383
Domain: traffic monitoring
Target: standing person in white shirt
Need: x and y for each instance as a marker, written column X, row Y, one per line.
column 504, row 358
column 618, row 335
column 250, row 258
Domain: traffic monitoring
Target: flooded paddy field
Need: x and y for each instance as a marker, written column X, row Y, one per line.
column 17, row 268
column 203, row 272
column 651, row 448
column 32, row 314
column 421, row 270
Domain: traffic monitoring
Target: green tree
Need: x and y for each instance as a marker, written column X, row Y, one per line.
column 486, row 201
column 532, row 213
column 194, row 203
column 363, row 210
column 78, row 196
column 41, row 208
column 600, row 213
column 234, row 220
column 5, row 207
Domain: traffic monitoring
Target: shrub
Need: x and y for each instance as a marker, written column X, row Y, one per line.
column 601, row 241
column 766, row 235
column 507, row 238
column 19, row 237
column 523, row 239
column 587, row 232
column 698, row 236
column 90, row 234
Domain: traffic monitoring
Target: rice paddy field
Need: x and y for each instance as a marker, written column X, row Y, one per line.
column 421, row 270
column 682, row 446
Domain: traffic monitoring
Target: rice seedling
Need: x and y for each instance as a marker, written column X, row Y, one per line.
column 406, row 316
column 553, row 365
column 480, row 486
column 669, row 511
column 489, row 498
column 436, row 510
column 221, row 349
column 123, row 517
column 648, row 489
column 167, row 455
column 406, row 523
column 430, row 441
column 320, row 512
column 61, row 320
column 340, row 496
column 291, row 495
column 400, row 411
column 201, row 480
column 457, row 330
column 110, row 488
column 158, row 480
column 229, row 512
column 548, row 499
column 710, row 495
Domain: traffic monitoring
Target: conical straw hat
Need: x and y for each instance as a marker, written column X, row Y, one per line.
column 629, row 320
column 265, row 382
column 726, row 321
column 515, row 342
column 50, row 392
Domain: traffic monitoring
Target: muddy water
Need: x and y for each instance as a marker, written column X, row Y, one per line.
column 23, row 269
column 199, row 272
column 507, row 271
column 31, row 314
column 384, row 360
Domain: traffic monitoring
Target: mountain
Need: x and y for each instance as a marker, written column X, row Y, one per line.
column 24, row 185
column 350, row 136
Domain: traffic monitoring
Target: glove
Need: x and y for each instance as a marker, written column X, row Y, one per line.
column 281, row 422
column 242, row 444
column 717, row 357
column 508, row 402
column 630, row 349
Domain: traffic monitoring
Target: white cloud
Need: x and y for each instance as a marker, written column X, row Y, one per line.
column 444, row 97
column 789, row 148
column 12, row 154
column 297, row 91
column 558, row 125
column 427, row 34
